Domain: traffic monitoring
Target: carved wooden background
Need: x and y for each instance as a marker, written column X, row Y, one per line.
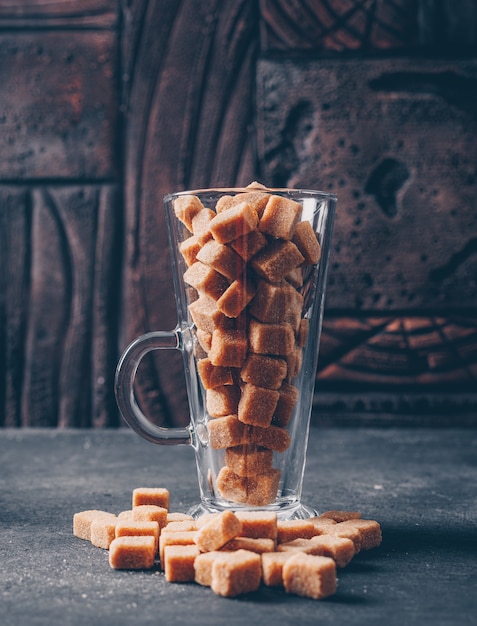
column 107, row 105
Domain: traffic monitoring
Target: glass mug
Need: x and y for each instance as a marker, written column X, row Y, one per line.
column 249, row 270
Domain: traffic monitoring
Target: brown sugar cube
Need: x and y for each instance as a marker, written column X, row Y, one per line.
column 276, row 260
column 369, row 530
column 303, row 331
column 203, row 567
column 294, row 361
column 103, row 531
column 222, row 259
column 346, row 532
column 262, row 489
column 258, row 490
column 340, row 549
column 151, row 495
column 213, row 375
column 207, row 316
column 295, row 277
column 322, row 525
column 132, row 552
column 224, row 202
column 236, row 297
column 272, row 567
column 125, row 515
column 82, row 522
column 258, row 545
column 277, row 302
column 131, row 528
column 204, row 339
column 222, row 401
column 305, row 240
column 150, row 513
column 258, row 524
column 186, row 207
column 231, row 486
column 179, row 563
column 340, row 516
column 248, row 460
column 176, row 516
column 256, row 185
column 257, row 405
column 288, row 397
column 204, row 518
column 218, row 531
column 198, row 351
column 264, row 371
column 297, row 545
column 236, row 573
column 274, row 437
column 189, row 249
column 174, row 538
column 280, row 217
column 234, row 222
column 256, row 199
column 293, row 317
column 309, row 576
column 337, row 548
column 181, row 526
column 204, row 237
column 228, row 348
column 241, row 322
column 227, row 432
column 200, row 223
column 206, row 280
column 248, row 245
column 288, row 530
column 272, row 339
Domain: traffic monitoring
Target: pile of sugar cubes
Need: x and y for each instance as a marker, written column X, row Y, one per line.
column 231, row 552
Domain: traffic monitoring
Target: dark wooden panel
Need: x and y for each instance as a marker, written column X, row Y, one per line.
column 395, row 139
column 105, row 312
column 337, row 25
column 14, row 287
column 58, row 105
column 367, row 25
column 52, row 287
column 58, row 13
column 445, row 24
column 397, row 369
column 60, row 268
column 391, row 351
column 189, row 107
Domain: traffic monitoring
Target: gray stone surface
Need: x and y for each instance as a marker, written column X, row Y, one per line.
column 419, row 484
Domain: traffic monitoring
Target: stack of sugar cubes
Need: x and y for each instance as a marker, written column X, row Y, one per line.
column 246, row 261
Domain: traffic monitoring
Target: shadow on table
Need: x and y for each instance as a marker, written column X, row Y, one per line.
column 429, row 538
column 277, row 595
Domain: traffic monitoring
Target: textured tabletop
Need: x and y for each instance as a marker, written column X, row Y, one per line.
column 421, row 485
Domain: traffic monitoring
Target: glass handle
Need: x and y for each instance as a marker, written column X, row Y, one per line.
column 124, row 389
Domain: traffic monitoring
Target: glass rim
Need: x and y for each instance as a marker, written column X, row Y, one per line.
column 225, row 190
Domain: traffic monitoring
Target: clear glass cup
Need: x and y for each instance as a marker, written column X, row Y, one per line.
column 249, row 270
